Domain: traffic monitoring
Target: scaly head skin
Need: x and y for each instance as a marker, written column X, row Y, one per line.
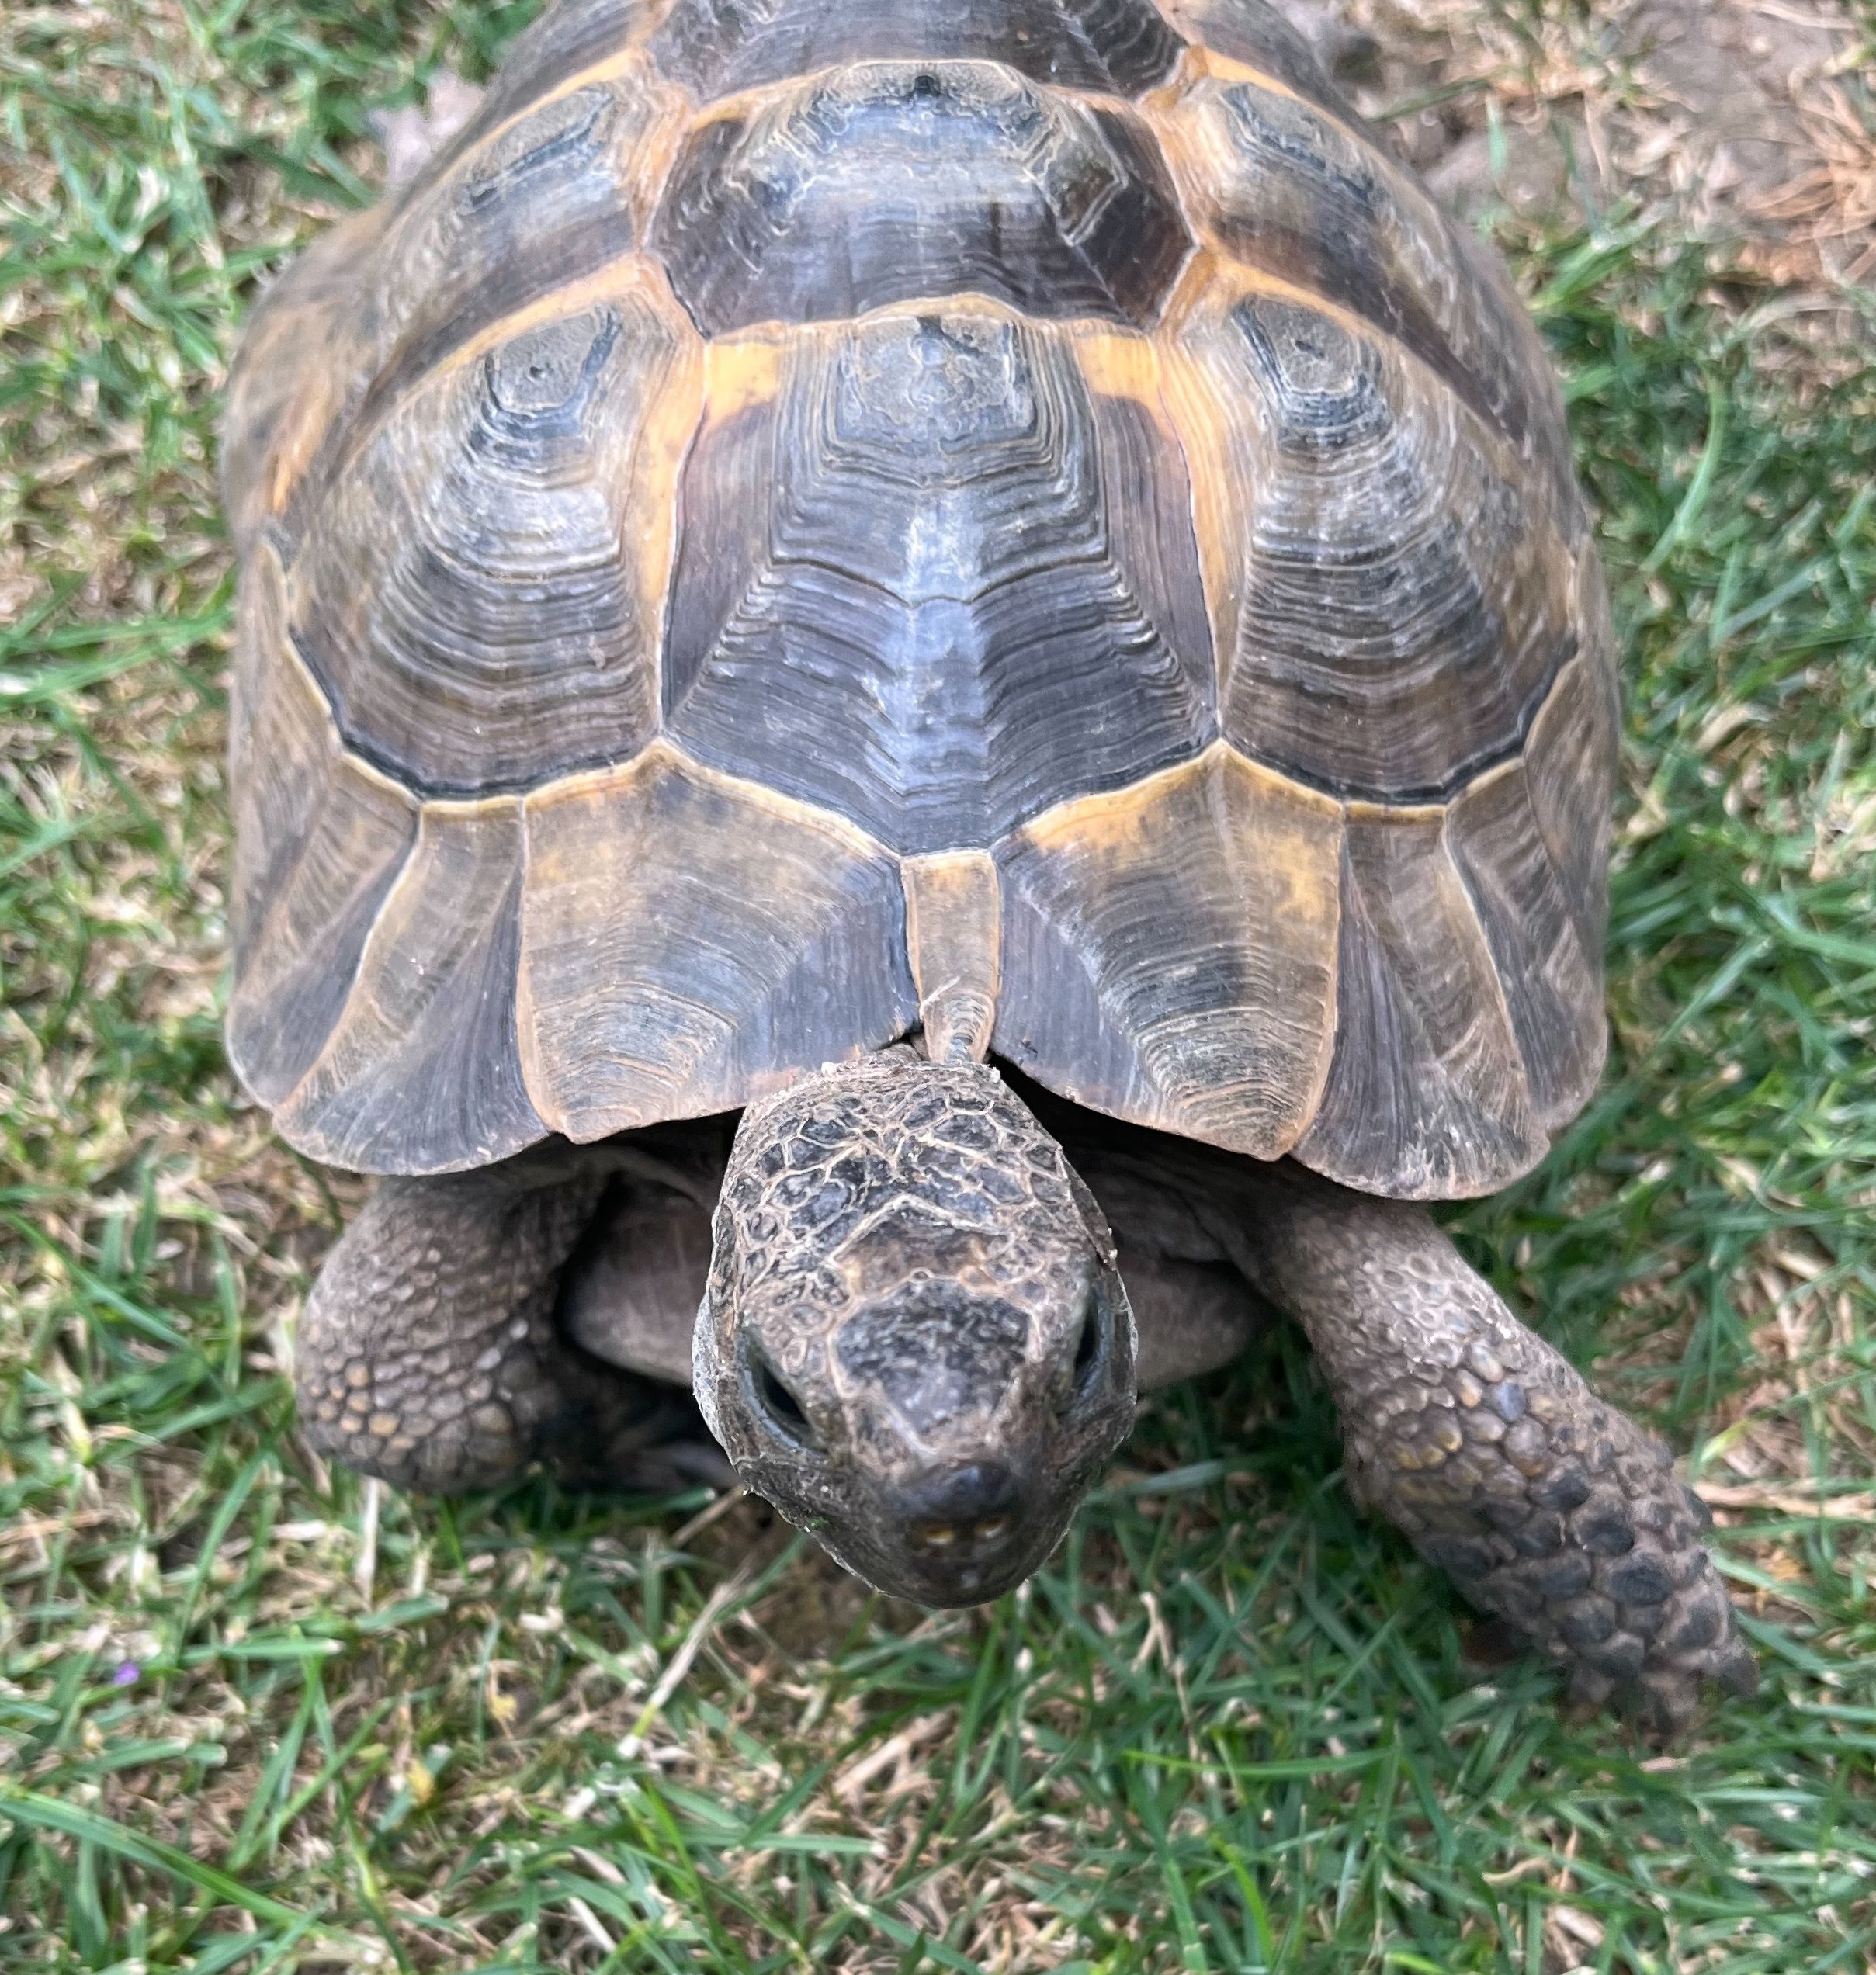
column 915, row 1342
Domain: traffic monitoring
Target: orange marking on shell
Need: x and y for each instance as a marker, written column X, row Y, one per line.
column 1119, row 365
column 953, row 940
column 742, row 371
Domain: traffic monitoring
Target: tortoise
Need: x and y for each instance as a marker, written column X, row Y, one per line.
column 923, row 712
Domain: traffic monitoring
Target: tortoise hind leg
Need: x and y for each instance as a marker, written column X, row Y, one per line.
column 429, row 1353
column 1546, row 1506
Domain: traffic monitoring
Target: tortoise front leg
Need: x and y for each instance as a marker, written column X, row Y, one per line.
column 1546, row 1505
column 429, row 1353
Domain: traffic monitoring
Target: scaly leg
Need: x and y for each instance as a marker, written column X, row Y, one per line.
column 1546, row 1505
column 429, row 1353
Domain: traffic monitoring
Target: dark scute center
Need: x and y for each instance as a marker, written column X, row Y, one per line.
column 935, row 1351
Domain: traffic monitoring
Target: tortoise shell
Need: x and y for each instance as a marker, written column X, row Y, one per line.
column 1016, row 515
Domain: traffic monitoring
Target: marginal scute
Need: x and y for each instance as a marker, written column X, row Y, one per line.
column 878, row 182
column 482, row 598
column 300, row 962
column 1426, row 1097
column 280, row 744
column 1257, row 36
column 959, row 544
column 1170, row 952
column 559, row 144
column 1571, row 761
column 319, row 841
column 1287, row 190
column 689, row 943
column 1397, row 607
column 421, row 1072
column 1552, row 985
column 570, row 39
column 714, row 48
column 279, row 405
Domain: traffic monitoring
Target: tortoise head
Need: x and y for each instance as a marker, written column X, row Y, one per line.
column 915, row 1342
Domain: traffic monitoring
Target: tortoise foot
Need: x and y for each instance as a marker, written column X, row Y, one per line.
column 430, row 1355
column 1588, row 1547
column 1549, row 1508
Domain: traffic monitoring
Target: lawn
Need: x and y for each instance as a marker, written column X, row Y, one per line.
column 256, row 1715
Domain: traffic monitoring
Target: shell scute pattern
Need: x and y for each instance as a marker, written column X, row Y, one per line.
column 1401, row 614
column 1256, row 36
column 320, row 841
column 1289, row 189
column 425, row 1051
column 961, row 533
column 882, row 182
column 713, row 50
column 552, row 151
column 649, row 919
column 571, row 39
column 545, row 201
column 463, row 601
column 1016, row 518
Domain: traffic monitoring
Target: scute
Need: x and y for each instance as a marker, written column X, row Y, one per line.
column 960, row 534
column 319, row 841
column 1571, row 763
column 1426, row 1095
column 1523, row 909
column 481, row 598
column 1284, row 188
column 1401, row 608
column 712, row 48
column 1015, row 516
column 878, row 182
column 1256, row 35
column 540, row 205
column 541, row 201
column 571, row 39
column 278, row 405
column 689, row 941
column 1169, row 951
column 425, row 1051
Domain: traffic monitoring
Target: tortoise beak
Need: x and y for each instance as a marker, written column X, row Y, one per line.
column 960, row 1535
column 966, row 1533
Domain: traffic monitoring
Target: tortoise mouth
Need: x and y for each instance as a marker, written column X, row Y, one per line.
column 960, row 1536
column 964, row 1533
column 957, row 1529
column 978, row 1580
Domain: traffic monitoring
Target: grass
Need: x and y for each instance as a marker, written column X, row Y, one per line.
column 255, row 1715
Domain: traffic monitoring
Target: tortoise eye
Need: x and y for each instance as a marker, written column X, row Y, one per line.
column 1090, row 1347
column 781, row 1411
